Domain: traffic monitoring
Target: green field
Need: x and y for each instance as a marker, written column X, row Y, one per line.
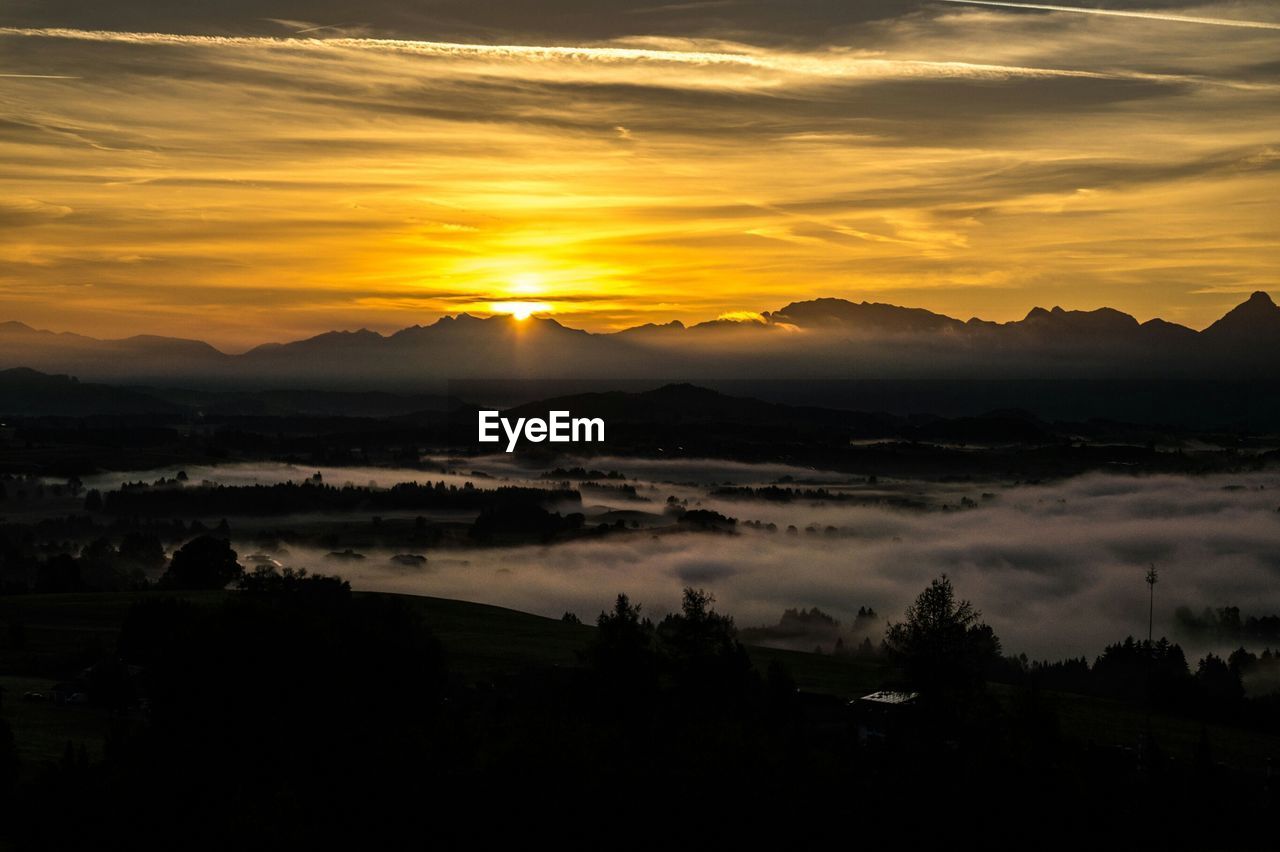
column 48, row 638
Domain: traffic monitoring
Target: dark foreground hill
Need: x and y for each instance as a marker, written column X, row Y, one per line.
column 308, row 716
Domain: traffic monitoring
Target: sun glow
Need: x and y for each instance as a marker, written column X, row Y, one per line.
column 520, row 310
column 741, row 316
column 527, row 283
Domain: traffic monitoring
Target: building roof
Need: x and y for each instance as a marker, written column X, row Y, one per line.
column 890, row 697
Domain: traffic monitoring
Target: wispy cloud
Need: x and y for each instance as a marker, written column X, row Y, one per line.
column 827, row 64
column 696, row 6
column 1123, row 13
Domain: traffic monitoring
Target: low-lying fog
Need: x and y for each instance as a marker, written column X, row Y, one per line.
column 1057, row 569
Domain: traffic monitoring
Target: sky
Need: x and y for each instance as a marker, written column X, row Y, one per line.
column 247, row 171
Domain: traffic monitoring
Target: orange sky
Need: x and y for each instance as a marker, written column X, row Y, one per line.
column 261, row 185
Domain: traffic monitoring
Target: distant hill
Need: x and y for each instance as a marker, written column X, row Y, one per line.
column 687, row 414
column 306, row 403
column 75, row 354
column 29, row 393
column 690, row 405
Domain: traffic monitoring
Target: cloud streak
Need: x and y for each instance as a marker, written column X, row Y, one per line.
column 1120, row 13
column 831, row 65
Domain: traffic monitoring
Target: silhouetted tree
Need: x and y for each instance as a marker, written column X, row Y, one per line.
column 1219, row 683
column 941, row 646
column 700, row 654
column 697, row 630
column 522, row 520
column 98, row 564
column 59, row 573
column 622, row 635
column 622, row 654
column 266, row 580
column 205, row 562
column 143, row 550
column 1133, row 669
column 708, row 520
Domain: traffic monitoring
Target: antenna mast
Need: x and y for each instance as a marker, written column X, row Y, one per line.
column 1152, row 578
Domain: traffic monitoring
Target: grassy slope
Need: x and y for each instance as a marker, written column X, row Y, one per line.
column 61, row 634
column 65, row 632
column 482, row 641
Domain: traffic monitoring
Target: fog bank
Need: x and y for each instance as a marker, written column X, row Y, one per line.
column 1057, row 569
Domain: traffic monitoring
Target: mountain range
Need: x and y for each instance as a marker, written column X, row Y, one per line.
column 825, row 339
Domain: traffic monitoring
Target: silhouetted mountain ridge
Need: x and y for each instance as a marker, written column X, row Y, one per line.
column 872, row 317
column 823, row 338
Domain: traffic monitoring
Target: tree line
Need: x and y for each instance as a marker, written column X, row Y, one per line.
column 295, row 712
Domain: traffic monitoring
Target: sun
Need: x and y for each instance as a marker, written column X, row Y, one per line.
column 520, row 310
column 523, row 289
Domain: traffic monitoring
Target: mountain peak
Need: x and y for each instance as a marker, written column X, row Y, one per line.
column 1256, row 317
column 864, row 316
column 1259, row 304
column 1106, row 321
column 652, row 328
